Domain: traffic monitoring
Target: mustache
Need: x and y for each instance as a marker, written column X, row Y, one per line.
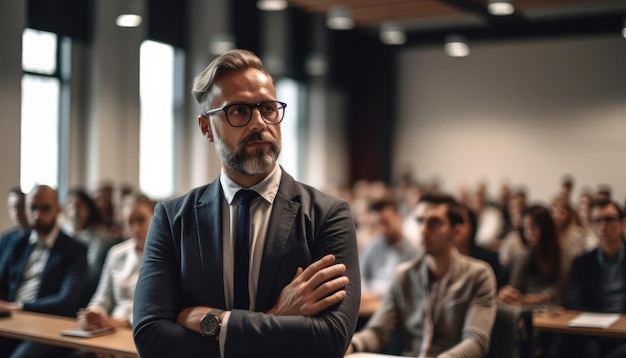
column 258, row 136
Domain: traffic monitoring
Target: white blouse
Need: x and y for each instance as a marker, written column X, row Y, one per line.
column 116, row 289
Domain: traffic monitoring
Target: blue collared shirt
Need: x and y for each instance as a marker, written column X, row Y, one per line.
column 612, row 282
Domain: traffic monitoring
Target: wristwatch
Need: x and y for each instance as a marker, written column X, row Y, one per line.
column 210, row 323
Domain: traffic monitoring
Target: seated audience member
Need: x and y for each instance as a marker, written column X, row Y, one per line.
column 583, row 213
column 112, row 304
column 105, row 199
column 571, row 237
column 84, row 223
column 17, row 214
column 443, row 302
column 490, row 220
column 597, row 283
column 389, row 248
column 45, row 271
column 513, row 243
column 465, row 242
column 537, row 276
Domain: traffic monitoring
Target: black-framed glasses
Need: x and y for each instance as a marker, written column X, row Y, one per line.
column 240, row 114
column 609, row 220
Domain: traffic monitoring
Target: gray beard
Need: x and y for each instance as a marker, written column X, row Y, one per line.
column 259, row 162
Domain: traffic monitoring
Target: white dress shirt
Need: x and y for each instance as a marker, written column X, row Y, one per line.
column 260, row 211
column 31, row 279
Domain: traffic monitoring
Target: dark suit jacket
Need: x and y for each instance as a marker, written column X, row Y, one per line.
column 8, row 237
column 63, row 278
column 182, row 267
column 584, row 290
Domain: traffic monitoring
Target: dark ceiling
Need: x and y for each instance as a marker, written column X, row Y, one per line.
column 431, row 20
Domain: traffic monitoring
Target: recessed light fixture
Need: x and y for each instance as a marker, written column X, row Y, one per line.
column 129, row 14
column 500, row 7
column 271, row 5
column 391, row 34
column 339, row 18
column 456, row 46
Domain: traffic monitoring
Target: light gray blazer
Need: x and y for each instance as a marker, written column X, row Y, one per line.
column 464, row 317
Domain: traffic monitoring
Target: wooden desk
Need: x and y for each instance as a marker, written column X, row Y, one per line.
column 558, row 322
column 46, row 329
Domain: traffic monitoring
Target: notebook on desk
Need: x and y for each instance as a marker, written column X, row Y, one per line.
column 594, row 320
column 82, row 333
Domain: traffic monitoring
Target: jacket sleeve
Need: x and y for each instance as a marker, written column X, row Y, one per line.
column 479, row 319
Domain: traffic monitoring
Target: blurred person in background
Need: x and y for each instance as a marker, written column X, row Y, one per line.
column 382, row 255
column 465, row 242
column 45, row 271
column 597, row 283
column 112, row 304
column 490, row 219
column 105, row 199
column 17, row 214
column 537, row 277
column 583, row 213
column 571, row 235
column 84, row 223
column 418, row 301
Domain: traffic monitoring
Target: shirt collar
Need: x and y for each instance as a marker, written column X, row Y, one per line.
column 48, row 240
column 267, row 188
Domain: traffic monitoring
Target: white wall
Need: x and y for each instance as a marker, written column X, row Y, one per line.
column 526, row 112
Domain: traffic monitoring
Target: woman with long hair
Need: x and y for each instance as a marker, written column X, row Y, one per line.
column 84, row 223
column 537, row 276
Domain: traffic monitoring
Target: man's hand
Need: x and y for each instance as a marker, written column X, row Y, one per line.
column 10, row 306
column 508, row 294
column 312, row 290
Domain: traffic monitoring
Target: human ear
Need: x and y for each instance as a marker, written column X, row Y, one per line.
column 205, row 128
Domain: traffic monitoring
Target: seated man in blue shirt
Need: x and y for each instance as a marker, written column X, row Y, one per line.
column 598, row 283
column 382, row 255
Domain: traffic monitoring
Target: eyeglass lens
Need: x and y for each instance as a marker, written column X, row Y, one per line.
column 240, row 114
column 607, row 219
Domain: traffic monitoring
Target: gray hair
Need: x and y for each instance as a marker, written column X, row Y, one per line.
column 229, row 61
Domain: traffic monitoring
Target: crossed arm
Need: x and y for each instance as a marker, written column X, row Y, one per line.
column 311, row 291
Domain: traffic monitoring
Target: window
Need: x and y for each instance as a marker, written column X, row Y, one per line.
column 156, row 141
column 290, row 91
column 41, row 93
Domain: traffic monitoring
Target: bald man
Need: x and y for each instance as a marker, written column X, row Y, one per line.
column 45, row 271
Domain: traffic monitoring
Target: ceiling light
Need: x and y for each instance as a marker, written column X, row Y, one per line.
column 129, row 14
column 456, row 46
column 500, row 7
column 271, row 5
column 339, row 18
column 221, row 43
column 391, row 34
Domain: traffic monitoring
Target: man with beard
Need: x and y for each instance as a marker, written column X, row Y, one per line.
column 442, row 302
column 292, row 288
column 44, row 271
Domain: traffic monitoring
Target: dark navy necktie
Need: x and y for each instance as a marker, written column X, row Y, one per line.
column 242, row 248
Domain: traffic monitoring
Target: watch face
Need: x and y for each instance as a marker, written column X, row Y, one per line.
column 209, row 325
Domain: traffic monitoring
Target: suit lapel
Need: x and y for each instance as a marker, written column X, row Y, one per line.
column 23, row 250
column 280, row 227
column 208, row 212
